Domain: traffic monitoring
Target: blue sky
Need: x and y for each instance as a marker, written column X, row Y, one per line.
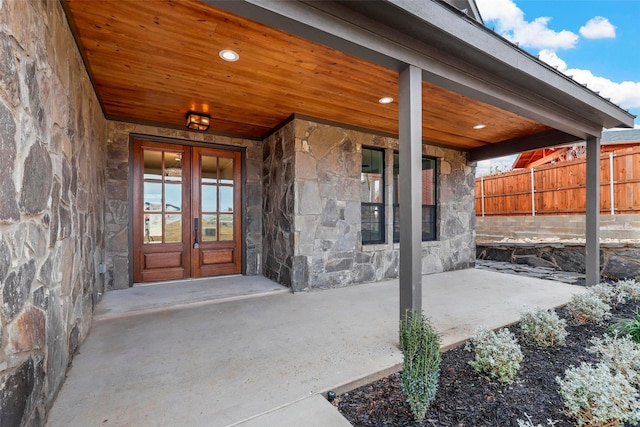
column 595, row 41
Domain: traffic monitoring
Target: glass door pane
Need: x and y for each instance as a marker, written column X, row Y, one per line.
column 162, row 196
column 216, row 198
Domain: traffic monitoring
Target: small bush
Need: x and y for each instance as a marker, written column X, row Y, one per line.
column 610, row 294
column 620, row 354
column 529, row 423
column 630, row 288
column 588, row 307
column 498, row 355
column 628, row 327
column 595, row 396
column 543, row 328
column 604, row 291
column 421, row 349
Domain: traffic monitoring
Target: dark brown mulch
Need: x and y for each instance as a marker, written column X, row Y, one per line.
column 466, row 399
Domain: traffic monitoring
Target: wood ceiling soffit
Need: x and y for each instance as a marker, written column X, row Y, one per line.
column 153, row 61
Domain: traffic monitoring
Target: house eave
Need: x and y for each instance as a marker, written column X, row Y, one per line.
column 453, row 50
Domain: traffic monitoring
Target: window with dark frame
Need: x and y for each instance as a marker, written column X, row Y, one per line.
column 372, row 196
column 429, row 198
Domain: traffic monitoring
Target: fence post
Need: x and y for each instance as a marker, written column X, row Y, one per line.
column 533, row 195
column 482, row 193
column 611, row 192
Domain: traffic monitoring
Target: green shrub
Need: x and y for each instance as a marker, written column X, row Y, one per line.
column 543, row 328
column 421, row 349
column 498, row 355
column 630, row 327
column 620, row 354
column 596, row 396
column 588, row 307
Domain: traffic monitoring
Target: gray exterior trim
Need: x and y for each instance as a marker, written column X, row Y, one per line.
column 410, row 115
column 592, row 232
column 519, row 145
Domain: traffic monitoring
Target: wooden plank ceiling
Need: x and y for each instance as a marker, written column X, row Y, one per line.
column 152, row 61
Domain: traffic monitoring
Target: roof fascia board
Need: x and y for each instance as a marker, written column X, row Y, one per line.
column 550, row 138
column 470, row 5
column 341, row 27
column 482, row 39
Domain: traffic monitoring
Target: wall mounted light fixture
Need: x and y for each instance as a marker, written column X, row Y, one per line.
column 197, row 121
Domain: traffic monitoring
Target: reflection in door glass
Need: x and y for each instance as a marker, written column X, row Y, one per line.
column 153, row 196
column 226, row 170
column 226, row 199
column 172, row 166
column 209, row 198
column 152, row 228
column 209, row 168
column 152, row 164
column 173, row 197
column 209, row 228
column 173, row 228
column 226, row 227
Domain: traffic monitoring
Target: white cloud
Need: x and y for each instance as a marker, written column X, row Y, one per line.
column 626, row 94
column 598, row 28
column 510, row 23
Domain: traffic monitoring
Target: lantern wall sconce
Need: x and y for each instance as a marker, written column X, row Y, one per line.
column 197, row 121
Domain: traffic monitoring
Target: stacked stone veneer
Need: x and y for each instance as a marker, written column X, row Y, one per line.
column 52, row 185
column 312, row 235
column 117, row 217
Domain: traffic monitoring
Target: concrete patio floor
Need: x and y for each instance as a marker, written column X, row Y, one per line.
column 265, row 360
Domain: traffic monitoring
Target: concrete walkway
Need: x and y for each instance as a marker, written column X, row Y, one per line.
column 263, row 361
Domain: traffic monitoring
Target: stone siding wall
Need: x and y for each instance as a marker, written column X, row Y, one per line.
column 118, row 188
column 617, row 260
column 328, row 250
column 543, row 227
column 52, row 186
column 277, row 206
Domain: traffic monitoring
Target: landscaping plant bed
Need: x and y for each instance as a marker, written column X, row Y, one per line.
column 464, row 398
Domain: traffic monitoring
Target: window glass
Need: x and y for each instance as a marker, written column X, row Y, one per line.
column 372, row 196
column 429, row 198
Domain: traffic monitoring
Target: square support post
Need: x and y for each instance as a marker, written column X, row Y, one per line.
column 410, row 133
column 592, row 232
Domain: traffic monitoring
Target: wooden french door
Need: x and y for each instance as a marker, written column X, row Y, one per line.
column 186, row 212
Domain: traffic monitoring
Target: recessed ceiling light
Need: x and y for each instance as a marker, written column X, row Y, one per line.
column 385, row 100
column 229, row 55
column 480, row 126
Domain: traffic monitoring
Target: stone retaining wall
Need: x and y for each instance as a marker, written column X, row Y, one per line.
column 617, row 260
column 52, row 186
column 542, row 227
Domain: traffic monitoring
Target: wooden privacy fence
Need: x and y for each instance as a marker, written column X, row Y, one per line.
column 560, row 189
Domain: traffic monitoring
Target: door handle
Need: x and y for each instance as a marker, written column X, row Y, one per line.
column 196, row 245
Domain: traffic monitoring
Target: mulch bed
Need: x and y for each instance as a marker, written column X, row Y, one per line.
column 466, row 399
